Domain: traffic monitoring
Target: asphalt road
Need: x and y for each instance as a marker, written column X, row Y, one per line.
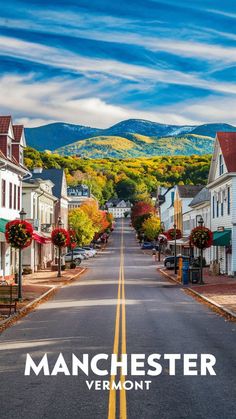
column 120, row 305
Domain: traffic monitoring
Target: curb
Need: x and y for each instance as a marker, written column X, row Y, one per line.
column 24, row 310
column 46, row 295
column 208, row 300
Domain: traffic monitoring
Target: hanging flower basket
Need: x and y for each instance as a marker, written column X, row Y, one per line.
column 73, row 239
column 19, row 234
column 170, row 234
column 201, row 237
column 60, row 237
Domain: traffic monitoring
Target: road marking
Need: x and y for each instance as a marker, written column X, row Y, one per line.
column 120, row 318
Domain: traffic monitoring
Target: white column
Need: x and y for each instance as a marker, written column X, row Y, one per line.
column 233, row 214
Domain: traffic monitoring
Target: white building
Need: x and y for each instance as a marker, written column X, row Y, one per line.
column 118, row 208
column 39, row 205
column 167, row 208
column 222, row 187
column 199, row 207
column 12, row 171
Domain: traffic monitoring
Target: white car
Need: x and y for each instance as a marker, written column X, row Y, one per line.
column 77, row 257
column 92, row 251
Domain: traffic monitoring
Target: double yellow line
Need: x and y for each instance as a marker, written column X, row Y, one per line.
column 120, row 321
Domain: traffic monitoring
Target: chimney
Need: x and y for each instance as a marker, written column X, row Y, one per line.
column 37, row 170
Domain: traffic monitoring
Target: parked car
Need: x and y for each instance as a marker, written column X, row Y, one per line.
column 91, row 250
column 83, row 252
column 77, row 257
column 149, row 246
column 169, row 261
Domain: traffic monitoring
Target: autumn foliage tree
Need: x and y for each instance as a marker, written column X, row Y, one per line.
column 151, row 227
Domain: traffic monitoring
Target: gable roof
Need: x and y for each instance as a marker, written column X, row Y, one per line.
column 56, row 177
column 203, row 196
column 227, row 141
column 18, row 131
column 4, row 124
column 188, row 191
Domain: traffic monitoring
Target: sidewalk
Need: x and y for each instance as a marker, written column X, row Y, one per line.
column 219, row 291
column 36, row 288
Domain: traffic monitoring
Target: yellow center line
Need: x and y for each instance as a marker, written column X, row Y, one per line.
column 122, row 314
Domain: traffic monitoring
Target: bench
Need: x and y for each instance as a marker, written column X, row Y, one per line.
column 8, row 297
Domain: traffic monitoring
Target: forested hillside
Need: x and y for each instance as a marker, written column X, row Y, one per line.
column 141, row 174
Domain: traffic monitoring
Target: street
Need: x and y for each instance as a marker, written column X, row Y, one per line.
column 120, row 305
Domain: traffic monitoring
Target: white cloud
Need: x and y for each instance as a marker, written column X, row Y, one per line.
column 36, row 103
column 111, row 68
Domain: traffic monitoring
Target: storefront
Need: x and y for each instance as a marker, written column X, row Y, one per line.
column 221, row 250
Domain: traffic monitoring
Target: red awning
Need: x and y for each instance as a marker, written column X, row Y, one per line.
column 41, row 239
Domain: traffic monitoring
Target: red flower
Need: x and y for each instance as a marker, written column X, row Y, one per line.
column 170, row 234
column 60, row 237
column 201, row 237
column 19, row 234
column 72, row 238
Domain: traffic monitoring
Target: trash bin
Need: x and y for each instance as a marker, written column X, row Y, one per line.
column 185, row 272
column 194, row 274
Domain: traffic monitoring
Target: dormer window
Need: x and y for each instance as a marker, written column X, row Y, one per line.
column 221, row 165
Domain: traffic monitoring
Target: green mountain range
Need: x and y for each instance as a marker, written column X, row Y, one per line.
column 129, row 138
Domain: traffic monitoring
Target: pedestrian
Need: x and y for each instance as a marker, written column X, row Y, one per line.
column 154, row 254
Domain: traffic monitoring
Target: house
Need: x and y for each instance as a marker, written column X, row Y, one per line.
column 183, row 196
column 79, row 194
column 118, row 207
column 39, row 202
column 199, row 207
column 222, row 187
column 12, row 171
column 59, row 190
column 167, row 207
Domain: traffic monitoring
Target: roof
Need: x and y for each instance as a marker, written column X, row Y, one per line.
column 203, row 196
column 18, row 131
column 56, row 176
column 4, row 124
column 227, row 142
column 189, row 191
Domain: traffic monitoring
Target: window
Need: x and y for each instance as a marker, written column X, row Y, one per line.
column 217, row 208
column 18, row 200
column 10, row 195
column 213, row 207
column 222, row 208
column 9, row 150
column 14, row 196
column 221, row 165
column 3, row 193
column 228, row 200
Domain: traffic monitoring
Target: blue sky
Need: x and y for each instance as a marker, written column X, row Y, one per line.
column 96, row 63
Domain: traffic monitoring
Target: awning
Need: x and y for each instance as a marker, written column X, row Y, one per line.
column 184, row 241
column 3, row 223
column 222, row 238
column 40, row 238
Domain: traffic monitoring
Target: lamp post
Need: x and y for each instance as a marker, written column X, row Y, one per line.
column 72, row 248
column 201, row 222
column 22, row 217
column 60, row 224
column 175, row 249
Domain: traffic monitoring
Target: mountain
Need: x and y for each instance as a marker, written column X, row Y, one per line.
column 129, row 138
column 58, row 134
column 138, row 146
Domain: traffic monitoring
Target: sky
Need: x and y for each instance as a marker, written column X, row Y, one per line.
column 99, row 62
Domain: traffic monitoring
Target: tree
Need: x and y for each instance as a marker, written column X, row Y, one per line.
column 141, row 208
column 126, row 189
column 90, row 208
column 139, row 220
column 83, row 226
column 152, row 227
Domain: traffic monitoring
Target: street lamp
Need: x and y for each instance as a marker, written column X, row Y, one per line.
column 201, row 222
column 175, row 249
column 60, row 224
column 72, row 248
column 22, row 217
